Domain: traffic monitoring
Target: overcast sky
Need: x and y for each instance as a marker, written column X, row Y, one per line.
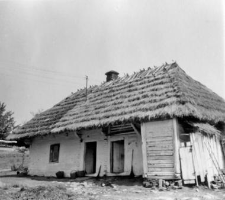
column 47, row 47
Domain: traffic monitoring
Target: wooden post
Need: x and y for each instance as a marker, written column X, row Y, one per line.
column 144, row 153
column 76, row 135
column 7, row 141
column 176, row 146
column 160, row 183
column 135, row 130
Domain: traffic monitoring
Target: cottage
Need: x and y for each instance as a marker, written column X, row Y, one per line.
column 159, row 123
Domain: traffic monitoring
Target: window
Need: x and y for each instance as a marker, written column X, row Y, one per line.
column 54, row 153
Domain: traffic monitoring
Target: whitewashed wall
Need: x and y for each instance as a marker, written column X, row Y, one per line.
column 68, row 157
column 101, row 157
column 72, row 151
column 132, row 143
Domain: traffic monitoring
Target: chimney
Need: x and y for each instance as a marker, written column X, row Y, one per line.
column 111, row 75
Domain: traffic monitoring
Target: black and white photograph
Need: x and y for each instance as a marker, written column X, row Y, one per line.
column 112, row 99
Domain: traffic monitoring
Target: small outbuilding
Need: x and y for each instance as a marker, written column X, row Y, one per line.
column 158, row 123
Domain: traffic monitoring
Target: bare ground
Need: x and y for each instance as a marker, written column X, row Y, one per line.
column 26, row 188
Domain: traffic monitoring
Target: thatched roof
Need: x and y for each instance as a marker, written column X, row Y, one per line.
column 43, row 123
column 206, row 128
column 162, row 92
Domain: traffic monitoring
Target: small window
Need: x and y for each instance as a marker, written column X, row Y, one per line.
column 54, row 153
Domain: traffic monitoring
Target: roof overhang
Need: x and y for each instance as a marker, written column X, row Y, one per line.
column 205, row 128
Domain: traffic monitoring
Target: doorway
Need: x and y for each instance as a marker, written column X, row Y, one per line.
column 117, row 156
column 90, row 157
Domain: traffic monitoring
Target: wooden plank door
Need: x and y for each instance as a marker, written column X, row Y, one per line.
column 117, row 161
column 187, row 165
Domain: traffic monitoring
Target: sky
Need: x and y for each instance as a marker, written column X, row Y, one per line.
column 48, row 47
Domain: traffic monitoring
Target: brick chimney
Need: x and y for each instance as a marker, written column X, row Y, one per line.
column 111, row 75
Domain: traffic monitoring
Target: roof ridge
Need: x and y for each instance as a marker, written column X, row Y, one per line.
column 145, row 72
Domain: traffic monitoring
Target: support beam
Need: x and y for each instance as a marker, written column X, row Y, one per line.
column 102, row 133
column 136, row 130
column 78, row 136
column 144, row 150
column 176, row 146
column 7, row 142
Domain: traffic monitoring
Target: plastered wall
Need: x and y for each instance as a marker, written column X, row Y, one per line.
column 68, row 157
column 72, row 152
column 132, row 143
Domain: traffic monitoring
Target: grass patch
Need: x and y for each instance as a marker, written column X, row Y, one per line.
column 17, row 191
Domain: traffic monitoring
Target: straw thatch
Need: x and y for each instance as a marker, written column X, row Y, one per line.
column 206, row 128
column 162, row 92
column 42, row 123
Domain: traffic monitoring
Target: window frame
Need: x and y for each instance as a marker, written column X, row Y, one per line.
column 51, row 153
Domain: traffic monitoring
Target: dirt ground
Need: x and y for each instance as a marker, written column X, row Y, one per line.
column 26, row 188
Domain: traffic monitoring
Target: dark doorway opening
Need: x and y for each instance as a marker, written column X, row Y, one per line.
column 117, row 156
column 90, row 157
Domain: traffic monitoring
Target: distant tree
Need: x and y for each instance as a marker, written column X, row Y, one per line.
column 7, row 122
column 34, row 114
